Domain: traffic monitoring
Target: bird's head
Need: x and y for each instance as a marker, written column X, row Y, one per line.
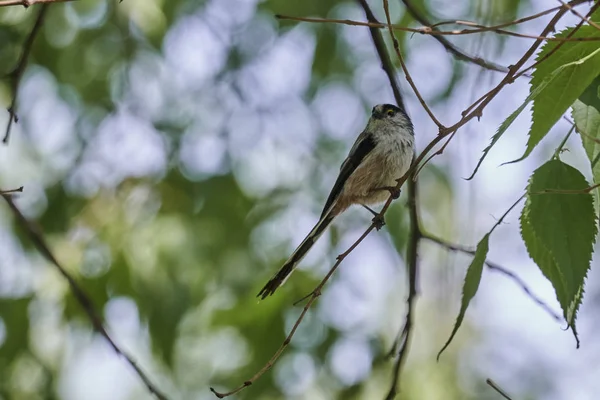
column 386, row 114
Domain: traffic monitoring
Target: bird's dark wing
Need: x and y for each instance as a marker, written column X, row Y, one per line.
column 357, row 154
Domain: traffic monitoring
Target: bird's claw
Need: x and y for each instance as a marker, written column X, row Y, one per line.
column 378, row 221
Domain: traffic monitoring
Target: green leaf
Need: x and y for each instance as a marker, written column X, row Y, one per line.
column 471, row 284
column 586, row 114
column 503, row 127
column 544, row 97
column 559, row 230
column 572, row 68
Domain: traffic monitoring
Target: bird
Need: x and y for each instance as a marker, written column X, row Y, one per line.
column 381, row 154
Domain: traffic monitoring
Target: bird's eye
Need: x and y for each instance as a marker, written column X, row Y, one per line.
column 391, row 112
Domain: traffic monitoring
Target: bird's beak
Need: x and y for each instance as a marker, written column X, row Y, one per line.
column 378, row 114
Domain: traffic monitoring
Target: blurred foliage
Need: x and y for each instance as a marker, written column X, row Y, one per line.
column 173, row 153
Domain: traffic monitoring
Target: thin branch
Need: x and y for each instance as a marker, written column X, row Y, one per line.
column 386, row 8
column 451, row 48
column 386, row 62
column 426, row 30
column 313, row 296
column 497, row 388
column 401, row 345
column 574, row 11
column 508, row 79
column 12, row 191
column 499, row 26
column 18, row 71
column 560, row 147
column 82, row 298
column 27, row 3
column 431, row 30
column 495, row 267
column 402, row 342
column 561, row 43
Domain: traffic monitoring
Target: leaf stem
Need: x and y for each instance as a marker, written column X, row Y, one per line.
column 562, row 144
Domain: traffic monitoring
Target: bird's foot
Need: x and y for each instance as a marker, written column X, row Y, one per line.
column 378, row 221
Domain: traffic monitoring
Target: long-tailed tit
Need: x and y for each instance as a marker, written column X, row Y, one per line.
column 381, row 154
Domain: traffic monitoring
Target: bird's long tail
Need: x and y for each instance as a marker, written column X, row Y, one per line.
column 279, row 278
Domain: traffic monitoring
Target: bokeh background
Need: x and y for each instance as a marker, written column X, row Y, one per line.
column 175, row 152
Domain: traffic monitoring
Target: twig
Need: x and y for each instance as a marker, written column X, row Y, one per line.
column 313, row 296
column 508, row 79
column 499, row 26
column 18, row 71
column 495, row 267
column 401, row 344
column 451, row 48
column 386, row 62
column 434, row 32
column 386, row 8
column 574, row 11
column 11, row 191
column 497, row 388
column 431, row 30
column 27, row 3
column 82, row 298
column 559, row 149
column 561, row 43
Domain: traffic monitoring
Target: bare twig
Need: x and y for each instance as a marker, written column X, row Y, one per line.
column 12, row 191
column 440, row 126
column 18, row 71
column 313, row 296
column 27, row 3
column 401, row 344
column 477, row 28
column 437, row 33
column 384, row 57
column 561, row 43
column 451, row 48
column 82, row 298
column 495, row 267
column 497, row 388
column 574, row 11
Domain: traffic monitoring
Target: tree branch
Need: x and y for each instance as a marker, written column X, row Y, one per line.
column 451, row 48
column 82, row 298
column 497, row 268
column 495, row 386
column 12, row 191
column 311, row 299
column 18, row 71
column 27, row 3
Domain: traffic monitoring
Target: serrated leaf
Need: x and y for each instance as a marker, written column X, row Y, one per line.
column 586, row 114
column 542, row 91
column 559, row 230
column 577, row 64
column 503, row 127
column 472, row 280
